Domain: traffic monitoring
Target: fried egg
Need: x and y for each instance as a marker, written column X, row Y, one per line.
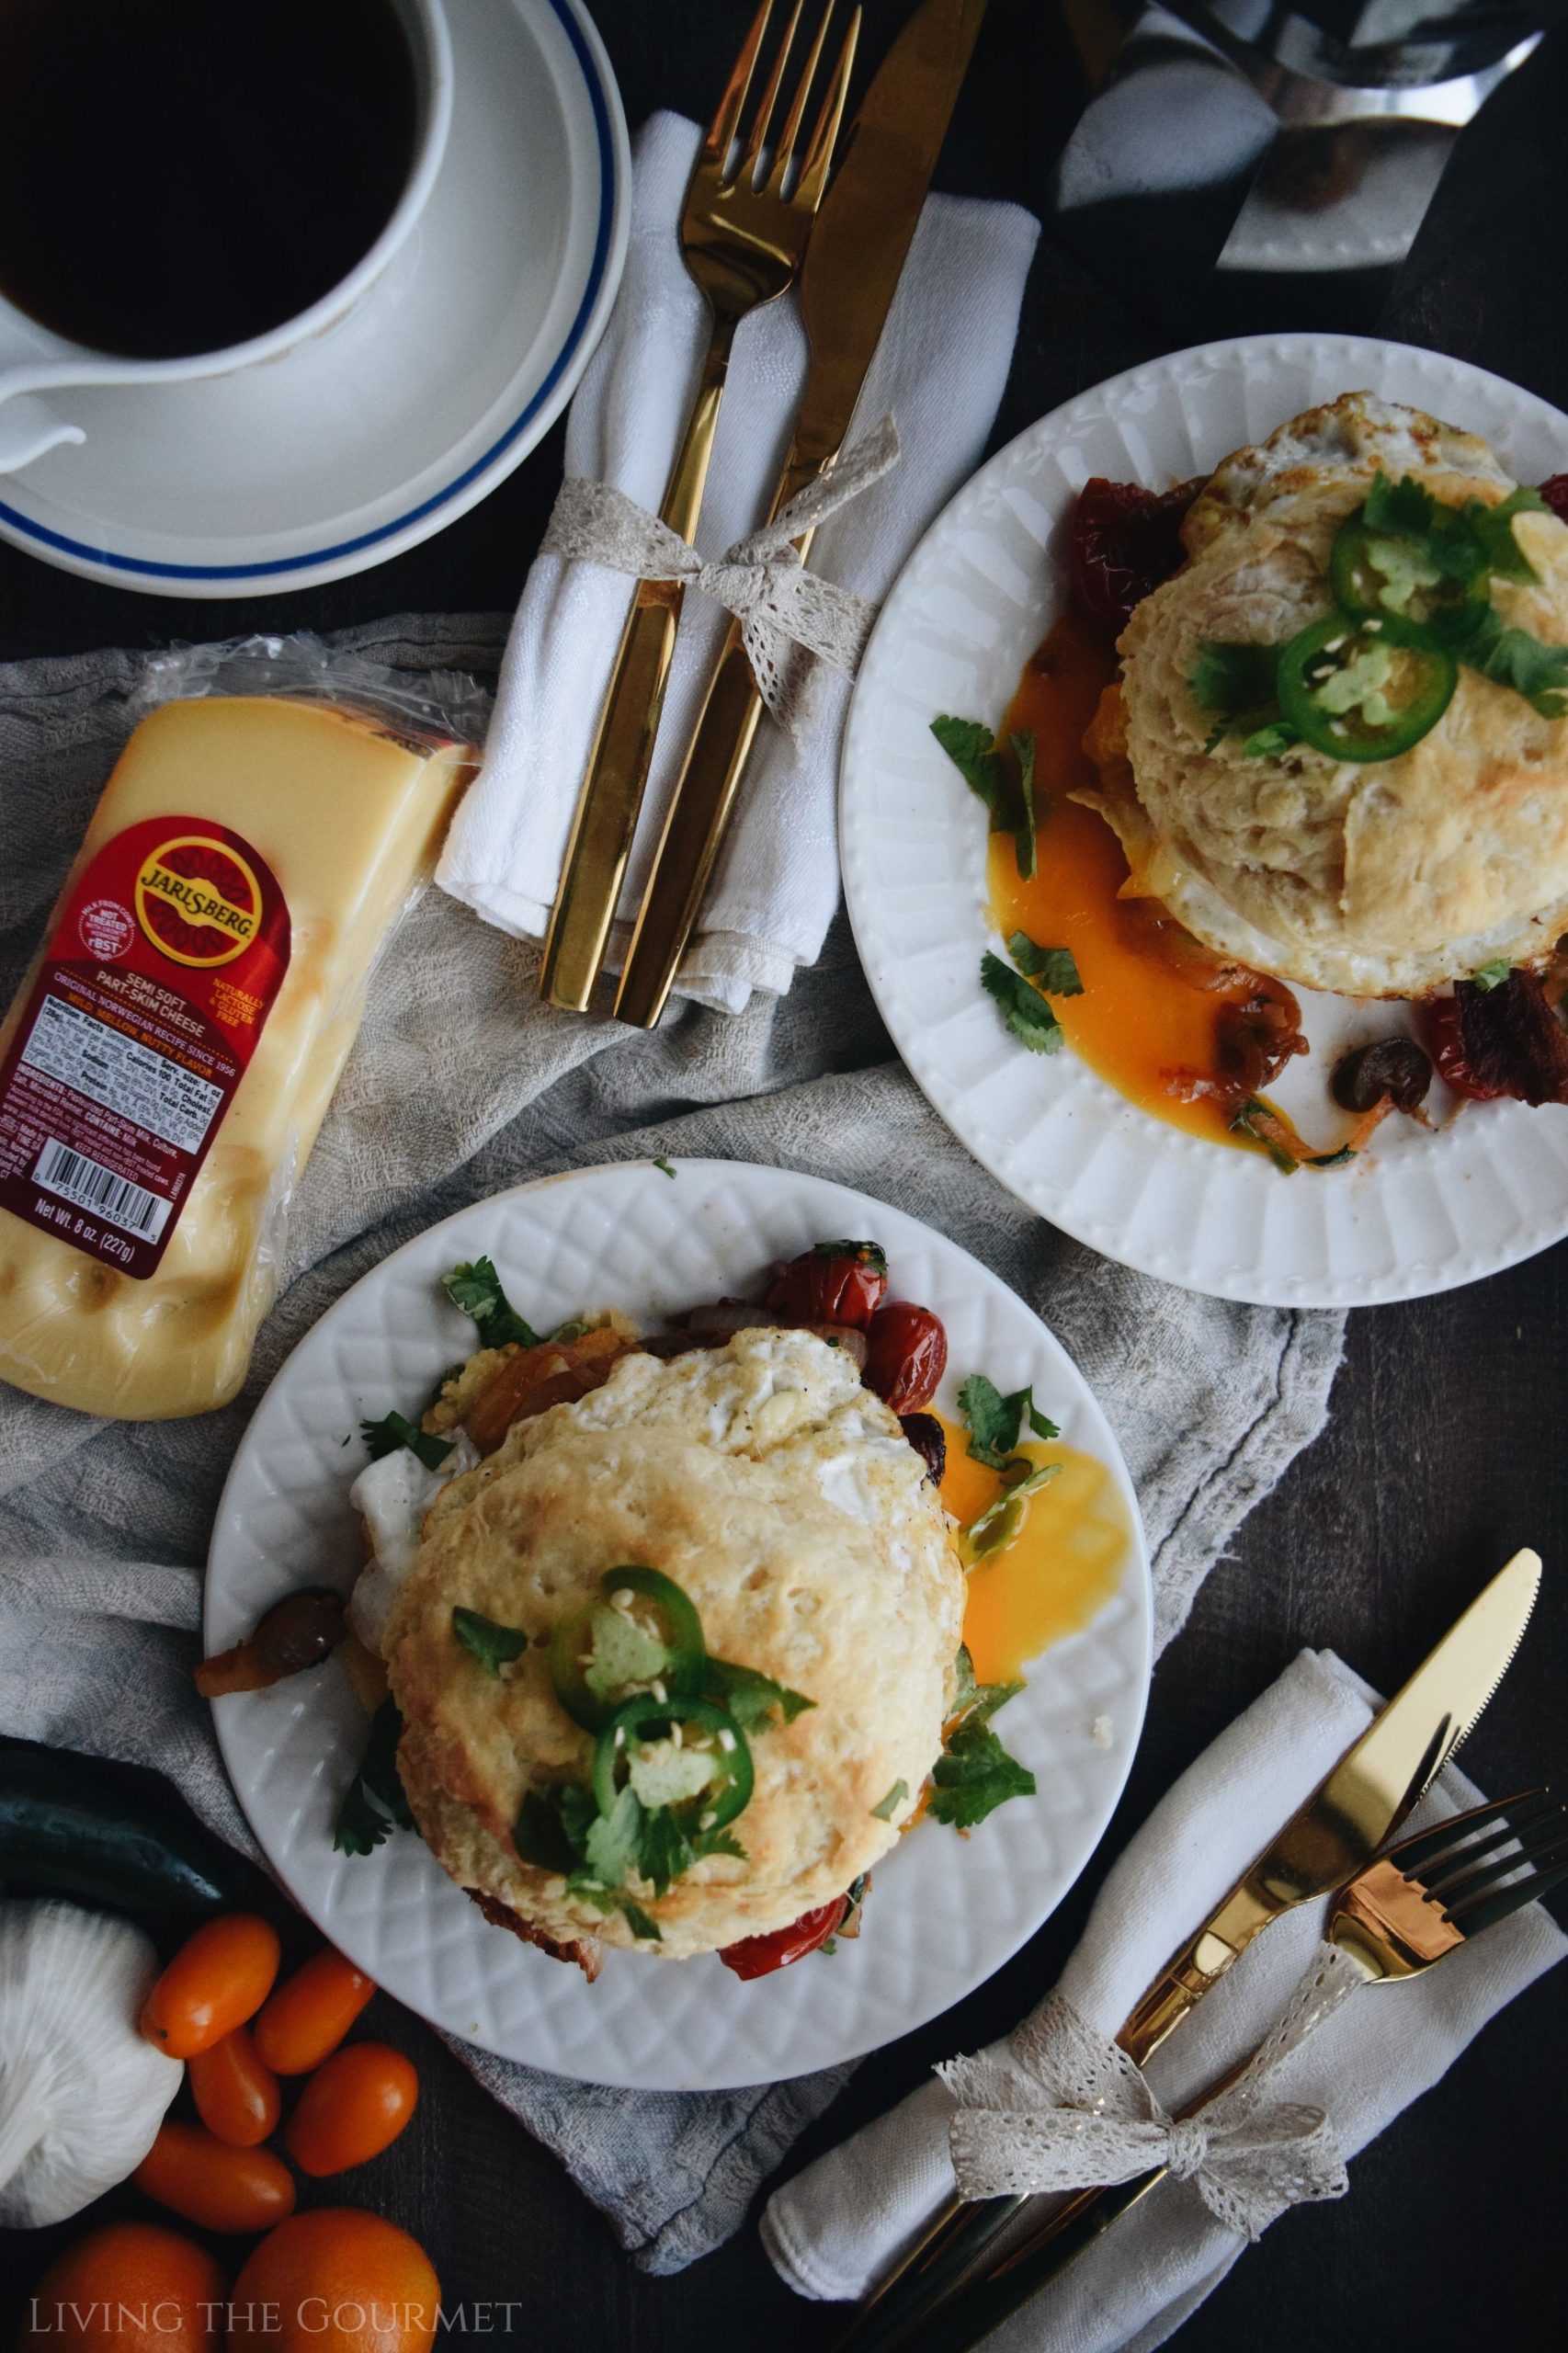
column 1374, row 879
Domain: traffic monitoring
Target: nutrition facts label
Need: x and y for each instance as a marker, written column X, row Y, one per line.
column 172, row 1102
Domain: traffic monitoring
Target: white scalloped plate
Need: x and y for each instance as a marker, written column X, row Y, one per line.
column 946, row 1911
column 1421, row 1212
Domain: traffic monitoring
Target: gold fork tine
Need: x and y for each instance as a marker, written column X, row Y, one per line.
column 756, row 138
column 727, row 122
column 830, row 115
column 742, row 243
column 784, row 153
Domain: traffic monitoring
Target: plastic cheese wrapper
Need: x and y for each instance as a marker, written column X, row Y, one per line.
column 171, row 1054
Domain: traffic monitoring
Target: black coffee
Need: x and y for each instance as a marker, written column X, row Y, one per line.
column 180, row 174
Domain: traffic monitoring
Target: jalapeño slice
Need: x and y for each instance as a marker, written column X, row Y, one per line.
column 720, row 1737
column 1379, row 577
column 1351, row 693
column 622, row 1643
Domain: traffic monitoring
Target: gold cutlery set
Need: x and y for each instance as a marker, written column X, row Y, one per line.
column 1394, row 1911
column 751, row 227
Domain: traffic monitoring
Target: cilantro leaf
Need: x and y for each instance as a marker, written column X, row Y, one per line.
column 1021, row 1005
column 865, row 1253
column 1493, row 530
column 975, row 1776
column 1055, row 968
column 495, row 1646
column 1267, row 742
column 977, row 1702
column 890, row 1803
column 1230, row 678
column 718, row 1842
column 615, row 1899
column 1240, row 685
column 665, row 1167
column 541, row 1839
column 1462, row 543
column 1000, row 1522
column 969, row 744
column 476, row 1289
column 579, row 1811
column 614, row 1843
column 395, row 1429
column 750, row 1696
column 375, row 1803
column 1256, row 1121
column 995, row 1421
column 1514, row 658
column 1025, row 833
column 977, row 756
column 1491, row 976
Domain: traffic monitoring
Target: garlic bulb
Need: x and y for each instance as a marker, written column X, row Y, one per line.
column 81, row 2093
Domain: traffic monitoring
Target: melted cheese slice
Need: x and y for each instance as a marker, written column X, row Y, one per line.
column 350, row 820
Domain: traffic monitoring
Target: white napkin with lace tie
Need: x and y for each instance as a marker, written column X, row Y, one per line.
column 840, row 2224
column 939, row 369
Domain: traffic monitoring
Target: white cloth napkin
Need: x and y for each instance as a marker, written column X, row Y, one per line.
column 838, row 2226
column 940, row 369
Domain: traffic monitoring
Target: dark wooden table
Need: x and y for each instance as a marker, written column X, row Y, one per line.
column 1445, row 1450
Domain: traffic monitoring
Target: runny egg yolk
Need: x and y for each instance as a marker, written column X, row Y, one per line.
column 1153, row 1005
column 1061, row 1568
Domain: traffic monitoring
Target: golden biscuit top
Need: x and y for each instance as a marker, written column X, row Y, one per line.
column 783, row 1500
column 1384, row 878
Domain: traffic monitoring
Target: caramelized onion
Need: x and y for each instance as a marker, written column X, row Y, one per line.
column 296, row 1633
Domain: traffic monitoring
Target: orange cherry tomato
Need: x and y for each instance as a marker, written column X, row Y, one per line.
column 236, row 2098
column 127, row 2288
column 334, row 2280
column 352, row 2108
column 218, row 1979
column 220, row 2187
column 311, row 2013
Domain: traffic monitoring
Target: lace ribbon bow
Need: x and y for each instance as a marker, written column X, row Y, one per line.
column 783, row 609
column 1067, row 2110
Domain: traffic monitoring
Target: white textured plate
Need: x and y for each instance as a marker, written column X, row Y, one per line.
column 1421, row 1212
column 945, row 1912
column 367, row 438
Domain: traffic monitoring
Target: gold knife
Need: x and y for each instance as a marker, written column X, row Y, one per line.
column 857, row 249
column 1326, row 1841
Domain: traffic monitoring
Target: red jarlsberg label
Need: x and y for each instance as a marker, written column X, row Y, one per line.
column 152, row 999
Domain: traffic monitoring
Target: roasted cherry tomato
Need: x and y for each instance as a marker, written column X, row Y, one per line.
column 906, row 1355
column 219, row 1978
column 1121, row 542
column 220, row 2187
column 1356, row 695
column 760, row 1956
column 311, row 2012
column 354, row 2106
column 1440, row 1031
column 838, row 1282
column 1555, row 493
column 236, row 2095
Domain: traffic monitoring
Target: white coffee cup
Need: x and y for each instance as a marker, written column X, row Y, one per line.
column 34, row 361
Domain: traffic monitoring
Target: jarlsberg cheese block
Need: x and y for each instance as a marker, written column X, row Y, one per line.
column 169, row 1058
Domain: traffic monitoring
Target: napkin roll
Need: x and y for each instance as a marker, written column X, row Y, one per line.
column 835, row 2230
column 940, row 366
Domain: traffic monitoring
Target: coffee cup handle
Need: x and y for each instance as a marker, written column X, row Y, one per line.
column 27, row 427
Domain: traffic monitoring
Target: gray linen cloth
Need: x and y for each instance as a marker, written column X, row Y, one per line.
column 462, row 1085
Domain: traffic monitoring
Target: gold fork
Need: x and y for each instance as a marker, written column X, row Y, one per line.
column 742, row 237
column 1407, row 1911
